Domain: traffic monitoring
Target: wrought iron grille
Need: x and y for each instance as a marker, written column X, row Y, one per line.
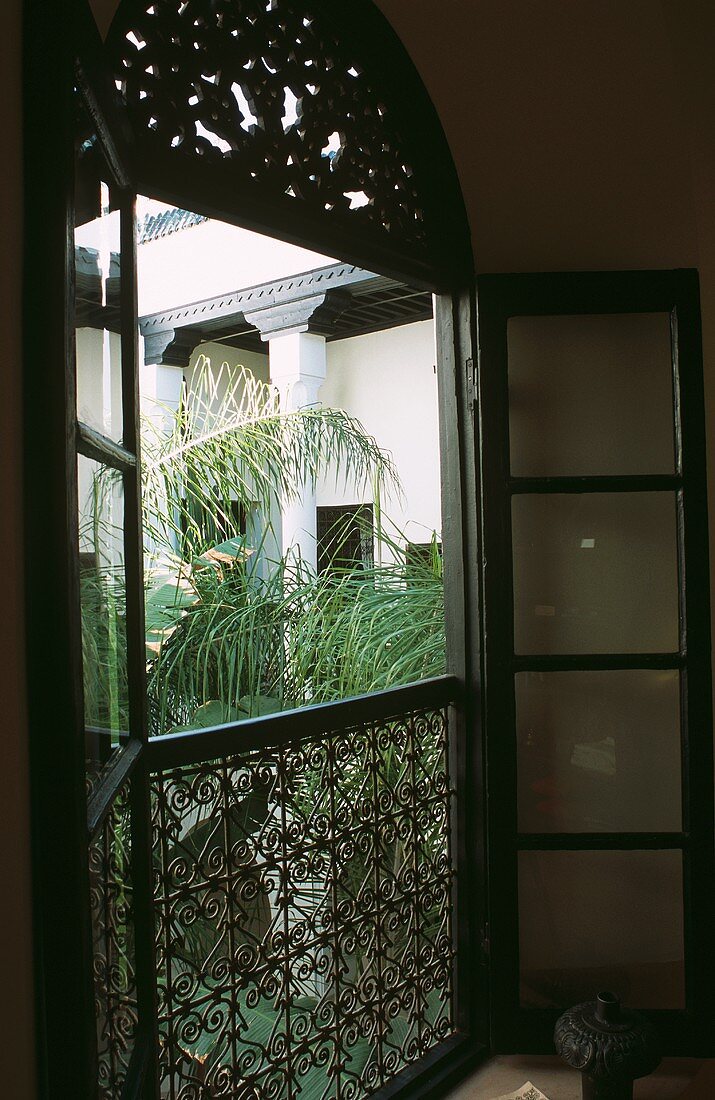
column 345, row 537
column 303, row 906
column 113, row 942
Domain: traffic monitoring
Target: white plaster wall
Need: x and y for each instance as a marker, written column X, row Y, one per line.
column 387, row 380
column 99, row 380
column 213, row 258
column 99, row 404
column 234, row 358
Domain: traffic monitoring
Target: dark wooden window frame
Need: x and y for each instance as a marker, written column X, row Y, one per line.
column 54, row 37
column 66, row 821
column 675, row 293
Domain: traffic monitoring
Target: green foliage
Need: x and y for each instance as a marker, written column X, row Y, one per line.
column 231, row 634
column 103, row 607
column 363, row 630
column 227, row 646
column 230, row 444
column 295, row 638
column 234, row 628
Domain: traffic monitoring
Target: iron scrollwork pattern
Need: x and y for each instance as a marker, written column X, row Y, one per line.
column 111, row 891
column 303, row 901
column 269, row 88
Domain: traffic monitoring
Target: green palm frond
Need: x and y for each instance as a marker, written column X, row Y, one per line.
column 297, row 637
column 219, row 629
column 231, row 443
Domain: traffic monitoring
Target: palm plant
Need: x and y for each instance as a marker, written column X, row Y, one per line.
column 361, row 630
column 229, row 444
column 229, row 639
column 233, row 633
column 295, row 638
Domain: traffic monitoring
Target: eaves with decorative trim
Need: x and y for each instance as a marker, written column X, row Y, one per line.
column 338, row 301
column 91, row 311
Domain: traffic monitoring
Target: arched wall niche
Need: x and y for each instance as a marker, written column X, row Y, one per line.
column 305, row 120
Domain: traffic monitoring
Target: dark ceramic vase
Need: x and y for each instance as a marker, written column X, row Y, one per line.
column 610, row 1045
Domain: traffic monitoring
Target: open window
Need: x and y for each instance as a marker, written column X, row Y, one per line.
column 263, row 902
column 274, row 900
column 597, row 667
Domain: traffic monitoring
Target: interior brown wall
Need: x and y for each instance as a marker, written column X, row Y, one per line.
column 583, row 133
column 583, row 136
column 15, row 944
column 564, row 120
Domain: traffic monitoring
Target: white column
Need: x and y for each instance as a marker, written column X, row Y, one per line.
column 99, row 404
column 297, row 364
column 160, row 394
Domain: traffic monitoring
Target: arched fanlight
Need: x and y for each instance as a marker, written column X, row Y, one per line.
column 307, row 119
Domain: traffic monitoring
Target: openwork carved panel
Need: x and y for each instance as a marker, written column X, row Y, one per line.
column 111, row 892
column 269, row 87
column 303, row 914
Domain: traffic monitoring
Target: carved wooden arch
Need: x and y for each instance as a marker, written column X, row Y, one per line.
column 304, row 118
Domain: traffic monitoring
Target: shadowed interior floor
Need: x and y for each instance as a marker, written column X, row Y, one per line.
column 681, row 1078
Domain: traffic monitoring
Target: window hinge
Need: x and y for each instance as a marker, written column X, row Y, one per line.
column 471, row 381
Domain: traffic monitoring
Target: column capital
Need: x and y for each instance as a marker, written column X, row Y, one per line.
column 314, row 314
column 172, row 347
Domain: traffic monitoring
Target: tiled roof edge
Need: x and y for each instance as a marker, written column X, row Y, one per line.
column 154, row 226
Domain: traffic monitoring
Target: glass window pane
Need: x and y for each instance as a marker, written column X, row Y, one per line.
column 280, row 562
column 591, row 395
column 599, row 751
column 97, row 292
column 103, row 603
column 111, row 901
column 595, row 573
column 601, row 920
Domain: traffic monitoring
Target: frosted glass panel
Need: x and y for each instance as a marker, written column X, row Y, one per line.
column 591, row 395
column 595, row 573
column 601, row 920
column 599, row 751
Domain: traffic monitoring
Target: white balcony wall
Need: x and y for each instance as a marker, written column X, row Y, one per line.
column 387, row 380
column 235, row 358
column 99, row 397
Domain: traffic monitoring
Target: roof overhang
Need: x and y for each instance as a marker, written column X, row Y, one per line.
column 337, row 301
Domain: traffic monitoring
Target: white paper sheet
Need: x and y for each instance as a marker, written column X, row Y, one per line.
column 526, row 1092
